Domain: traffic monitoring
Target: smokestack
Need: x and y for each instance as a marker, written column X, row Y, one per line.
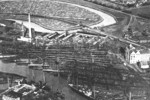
column 29, row 19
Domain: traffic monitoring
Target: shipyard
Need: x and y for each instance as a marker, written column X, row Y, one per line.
column 74, row 50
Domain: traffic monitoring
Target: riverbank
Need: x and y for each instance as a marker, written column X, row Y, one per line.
column 52, row 81
column 55, row 82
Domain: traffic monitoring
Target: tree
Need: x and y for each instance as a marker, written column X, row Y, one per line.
column 144, row 32
column 138, row 64
column 122, row 51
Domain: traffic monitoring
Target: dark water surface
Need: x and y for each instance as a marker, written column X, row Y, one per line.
column 37, row 75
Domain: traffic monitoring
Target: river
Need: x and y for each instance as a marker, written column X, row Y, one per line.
column 37, row 75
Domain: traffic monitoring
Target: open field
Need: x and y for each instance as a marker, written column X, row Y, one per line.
column 45, row 8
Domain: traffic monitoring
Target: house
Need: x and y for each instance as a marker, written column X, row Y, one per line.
column 141, row 55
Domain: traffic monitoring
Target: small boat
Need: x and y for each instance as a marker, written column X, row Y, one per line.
column 35, row 66
column 51, row 70
column 87, row 94
column 8, row 60
column 22, row 63
column 45, row 67
column 6, row 56
column 54, row 72
column 38, row 66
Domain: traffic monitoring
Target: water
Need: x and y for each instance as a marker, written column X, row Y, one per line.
column 53, row 81
column 13, row 68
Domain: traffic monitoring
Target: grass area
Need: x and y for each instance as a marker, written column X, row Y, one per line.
column 46, row 8
column 114, row 13
column 142, row 11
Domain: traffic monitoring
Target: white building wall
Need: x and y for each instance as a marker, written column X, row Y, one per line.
column 135, row 57
column 145, row 57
